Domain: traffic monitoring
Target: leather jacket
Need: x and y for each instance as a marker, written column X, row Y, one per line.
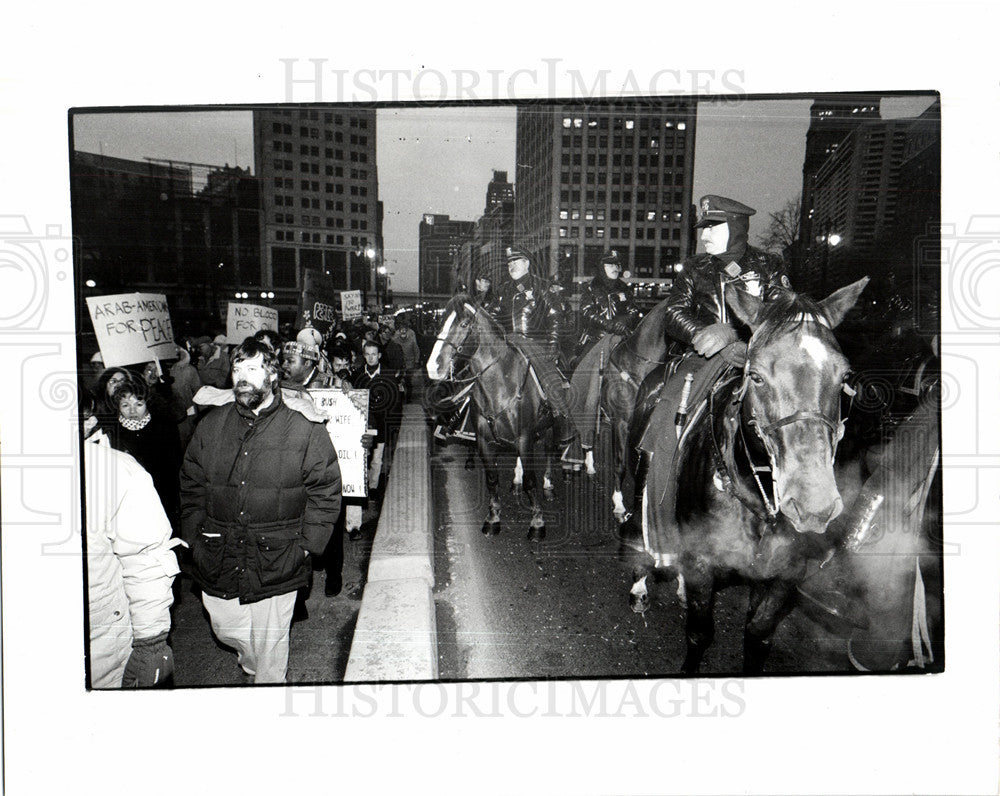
column 530, row 307
column 696, row 297
column 607, row 305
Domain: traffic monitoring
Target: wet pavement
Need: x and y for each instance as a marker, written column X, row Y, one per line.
column 318, row 646
column 511, row 609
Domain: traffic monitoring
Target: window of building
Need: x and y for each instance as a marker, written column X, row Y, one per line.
column 575, row 215
column 681, row 126
column 589, row 215
column 574, row 232
column 563, row 232
column 600, row 232
column 276, row 127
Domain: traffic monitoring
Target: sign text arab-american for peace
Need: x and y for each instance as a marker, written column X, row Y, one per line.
column 132, row 327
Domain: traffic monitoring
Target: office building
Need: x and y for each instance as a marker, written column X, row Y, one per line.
column 319, row 199
column 606, row 175
column 441, row 240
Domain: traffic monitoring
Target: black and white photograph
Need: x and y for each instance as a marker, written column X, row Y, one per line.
column 501, row 402
column 637, row 405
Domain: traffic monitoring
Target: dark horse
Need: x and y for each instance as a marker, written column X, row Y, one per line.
column 511, row 410
column 624, row 368
column 783, row 411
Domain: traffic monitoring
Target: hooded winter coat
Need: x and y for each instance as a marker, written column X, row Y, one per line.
column 130, row 566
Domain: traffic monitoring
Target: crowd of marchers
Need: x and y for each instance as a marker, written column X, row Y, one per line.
column 218, row 462
column 223, row 455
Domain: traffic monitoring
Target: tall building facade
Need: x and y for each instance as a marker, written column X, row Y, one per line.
column 499, row 191
column 440, row 242
column 188, row 230
column 319, row 199
column 831, row 119
column 856, row 197
column 607, row 175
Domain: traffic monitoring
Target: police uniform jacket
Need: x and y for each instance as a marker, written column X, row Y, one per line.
column 528, row 306
column 257, row 492
column 696, row 297
column 606, row 303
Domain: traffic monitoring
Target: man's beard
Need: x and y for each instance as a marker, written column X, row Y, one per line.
column 249, row 396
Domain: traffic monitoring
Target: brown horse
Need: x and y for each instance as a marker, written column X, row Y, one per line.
column 511, row 410
column 783, row 411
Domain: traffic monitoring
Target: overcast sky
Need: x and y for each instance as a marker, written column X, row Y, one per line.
column 439, row 160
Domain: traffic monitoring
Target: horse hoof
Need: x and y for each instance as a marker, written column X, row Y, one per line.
column 549, row 493
column 638, row 603
column 490, row 528
column 536, row 534
column 515, row 489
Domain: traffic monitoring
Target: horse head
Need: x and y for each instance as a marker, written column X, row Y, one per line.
column 455, row 338
column 793, row 384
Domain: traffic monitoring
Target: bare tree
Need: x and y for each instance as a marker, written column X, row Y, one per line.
column 783, row 228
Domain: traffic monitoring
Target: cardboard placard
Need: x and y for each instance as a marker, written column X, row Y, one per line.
column 132, row 328
column 347, row 411
column 245, row 320
column 350, row 304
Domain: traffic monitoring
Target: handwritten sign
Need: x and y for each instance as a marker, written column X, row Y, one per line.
column 245, row 320
column 323, row 312
column 132, row 327
column 350, row 304
column 348, row 420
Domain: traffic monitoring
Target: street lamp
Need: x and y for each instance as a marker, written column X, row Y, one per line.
column 830, row 241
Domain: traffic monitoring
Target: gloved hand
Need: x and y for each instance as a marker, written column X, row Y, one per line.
column 367, row 441
column 150, row 664
column 735, row 354
column 712, row 339
column 620, row 328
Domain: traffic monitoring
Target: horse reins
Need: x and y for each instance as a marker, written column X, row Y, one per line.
column 765, row 432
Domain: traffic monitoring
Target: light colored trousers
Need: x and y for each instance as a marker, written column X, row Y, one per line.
column 258, row 631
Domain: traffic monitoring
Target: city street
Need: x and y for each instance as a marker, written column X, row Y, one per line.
column 511, row 609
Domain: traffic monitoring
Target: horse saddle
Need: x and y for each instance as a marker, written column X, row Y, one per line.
column 663, row 439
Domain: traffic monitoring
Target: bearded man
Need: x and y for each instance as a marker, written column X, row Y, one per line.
column 260, row 494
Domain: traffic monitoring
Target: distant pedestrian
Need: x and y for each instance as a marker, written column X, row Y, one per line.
column 213, row 367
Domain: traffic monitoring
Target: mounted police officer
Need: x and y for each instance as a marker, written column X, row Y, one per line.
column 484, row 295
column 531, row 314
column 697, row 315
column 608, row 304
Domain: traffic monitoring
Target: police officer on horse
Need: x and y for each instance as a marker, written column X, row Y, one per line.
column 608, row 303
column 696, row 315
column 531, row 314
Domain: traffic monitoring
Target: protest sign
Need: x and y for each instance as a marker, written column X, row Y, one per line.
column 132, row 328
column 350, row 304
column 245, row 320
column 348, row 420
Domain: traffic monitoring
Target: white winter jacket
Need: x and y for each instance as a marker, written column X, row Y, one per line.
column 130, row 565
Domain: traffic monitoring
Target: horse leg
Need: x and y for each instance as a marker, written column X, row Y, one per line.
column 518, row 482
column 638, row 596
column 492, row 523
column 548, row 488
column 700, row 625
column 619, row 443
column 536, row 528
column 769, row 603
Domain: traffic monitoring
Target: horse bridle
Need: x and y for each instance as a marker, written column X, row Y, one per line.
column 766, row 431
column 460, row 346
